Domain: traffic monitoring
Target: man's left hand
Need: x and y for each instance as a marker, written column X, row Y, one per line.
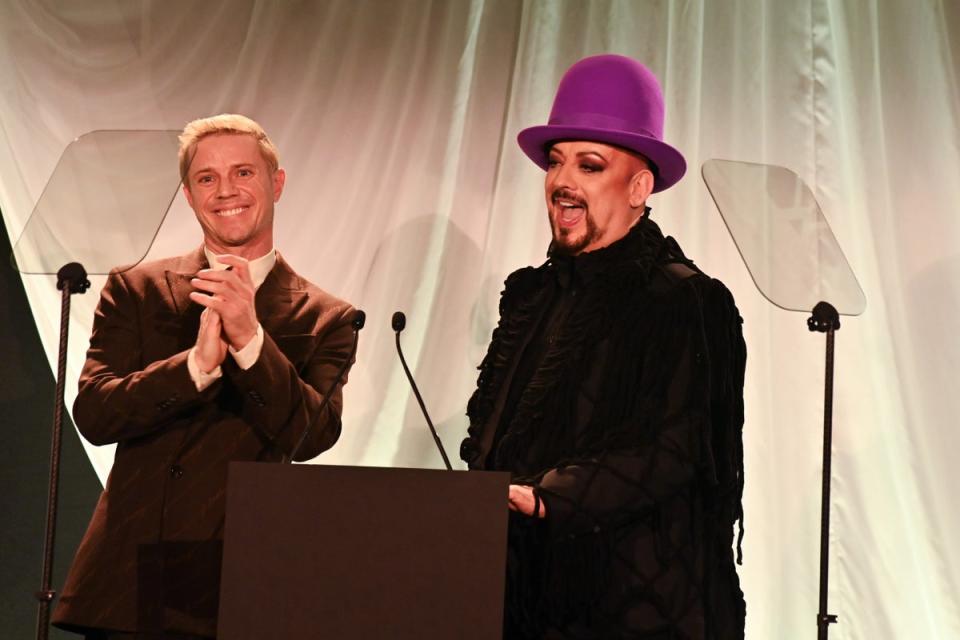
column 523, row 500
column 231, row 294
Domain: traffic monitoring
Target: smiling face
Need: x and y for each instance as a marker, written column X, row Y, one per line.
column 232, row 190
column 595, row 192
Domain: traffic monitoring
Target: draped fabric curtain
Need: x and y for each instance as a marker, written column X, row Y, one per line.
column 396, row 123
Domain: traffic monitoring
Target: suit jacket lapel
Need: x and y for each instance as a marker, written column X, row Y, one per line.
column 178, row 281
column 279, row 298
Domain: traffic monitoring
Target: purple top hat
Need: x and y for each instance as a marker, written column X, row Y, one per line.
column 610, row 99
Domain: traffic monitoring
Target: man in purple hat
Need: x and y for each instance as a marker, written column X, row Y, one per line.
column 612, row 390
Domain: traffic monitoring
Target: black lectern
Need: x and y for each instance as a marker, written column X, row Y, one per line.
column 314, row 551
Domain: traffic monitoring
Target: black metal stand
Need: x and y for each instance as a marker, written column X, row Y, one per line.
column 825, row 319
column 398, row 322
column 71, row 279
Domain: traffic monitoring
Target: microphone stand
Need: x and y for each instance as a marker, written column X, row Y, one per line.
column 399, row 322
column 71, row 279
column 825, row 319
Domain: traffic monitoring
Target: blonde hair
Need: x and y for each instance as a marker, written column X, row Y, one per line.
column 199, row 129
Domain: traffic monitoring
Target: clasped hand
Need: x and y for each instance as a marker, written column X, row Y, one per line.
column 229, row 317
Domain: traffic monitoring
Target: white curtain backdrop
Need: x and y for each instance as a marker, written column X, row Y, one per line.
column 396, row 122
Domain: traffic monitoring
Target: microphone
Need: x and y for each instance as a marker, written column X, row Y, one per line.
column 359, row 319
column 399, row 322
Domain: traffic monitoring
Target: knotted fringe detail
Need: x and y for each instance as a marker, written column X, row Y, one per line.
column 686, row 328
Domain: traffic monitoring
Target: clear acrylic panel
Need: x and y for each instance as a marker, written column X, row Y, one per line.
column 104, row 203
column 786, row 243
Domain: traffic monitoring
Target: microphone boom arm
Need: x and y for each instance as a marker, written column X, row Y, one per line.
column 399, row 321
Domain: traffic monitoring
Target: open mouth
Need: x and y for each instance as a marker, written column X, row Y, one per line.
column 229, row 213
column 568, row 212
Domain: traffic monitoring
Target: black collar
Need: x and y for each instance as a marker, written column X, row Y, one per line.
column 641, row 243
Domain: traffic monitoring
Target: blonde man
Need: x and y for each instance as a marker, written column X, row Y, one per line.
column 197, row 361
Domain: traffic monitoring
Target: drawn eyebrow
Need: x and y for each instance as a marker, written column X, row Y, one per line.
column 581, row 154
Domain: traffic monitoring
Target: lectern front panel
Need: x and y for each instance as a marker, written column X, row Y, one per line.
column 314, row 551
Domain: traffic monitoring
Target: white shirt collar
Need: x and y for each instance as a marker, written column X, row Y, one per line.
column 259, row 267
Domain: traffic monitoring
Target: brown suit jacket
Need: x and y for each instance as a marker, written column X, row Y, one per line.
column 150, row 559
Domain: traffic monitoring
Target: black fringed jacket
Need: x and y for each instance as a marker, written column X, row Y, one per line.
column 628, row 424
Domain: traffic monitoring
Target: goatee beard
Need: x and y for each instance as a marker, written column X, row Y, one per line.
column 565, row 244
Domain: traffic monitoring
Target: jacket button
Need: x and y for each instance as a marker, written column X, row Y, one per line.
column 176, row 471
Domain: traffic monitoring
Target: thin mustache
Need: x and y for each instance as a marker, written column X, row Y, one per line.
column 566, row 195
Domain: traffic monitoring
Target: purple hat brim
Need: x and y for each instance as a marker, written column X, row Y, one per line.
column 536, row 143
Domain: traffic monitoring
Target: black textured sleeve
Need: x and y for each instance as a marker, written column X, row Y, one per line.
column 688, row 388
